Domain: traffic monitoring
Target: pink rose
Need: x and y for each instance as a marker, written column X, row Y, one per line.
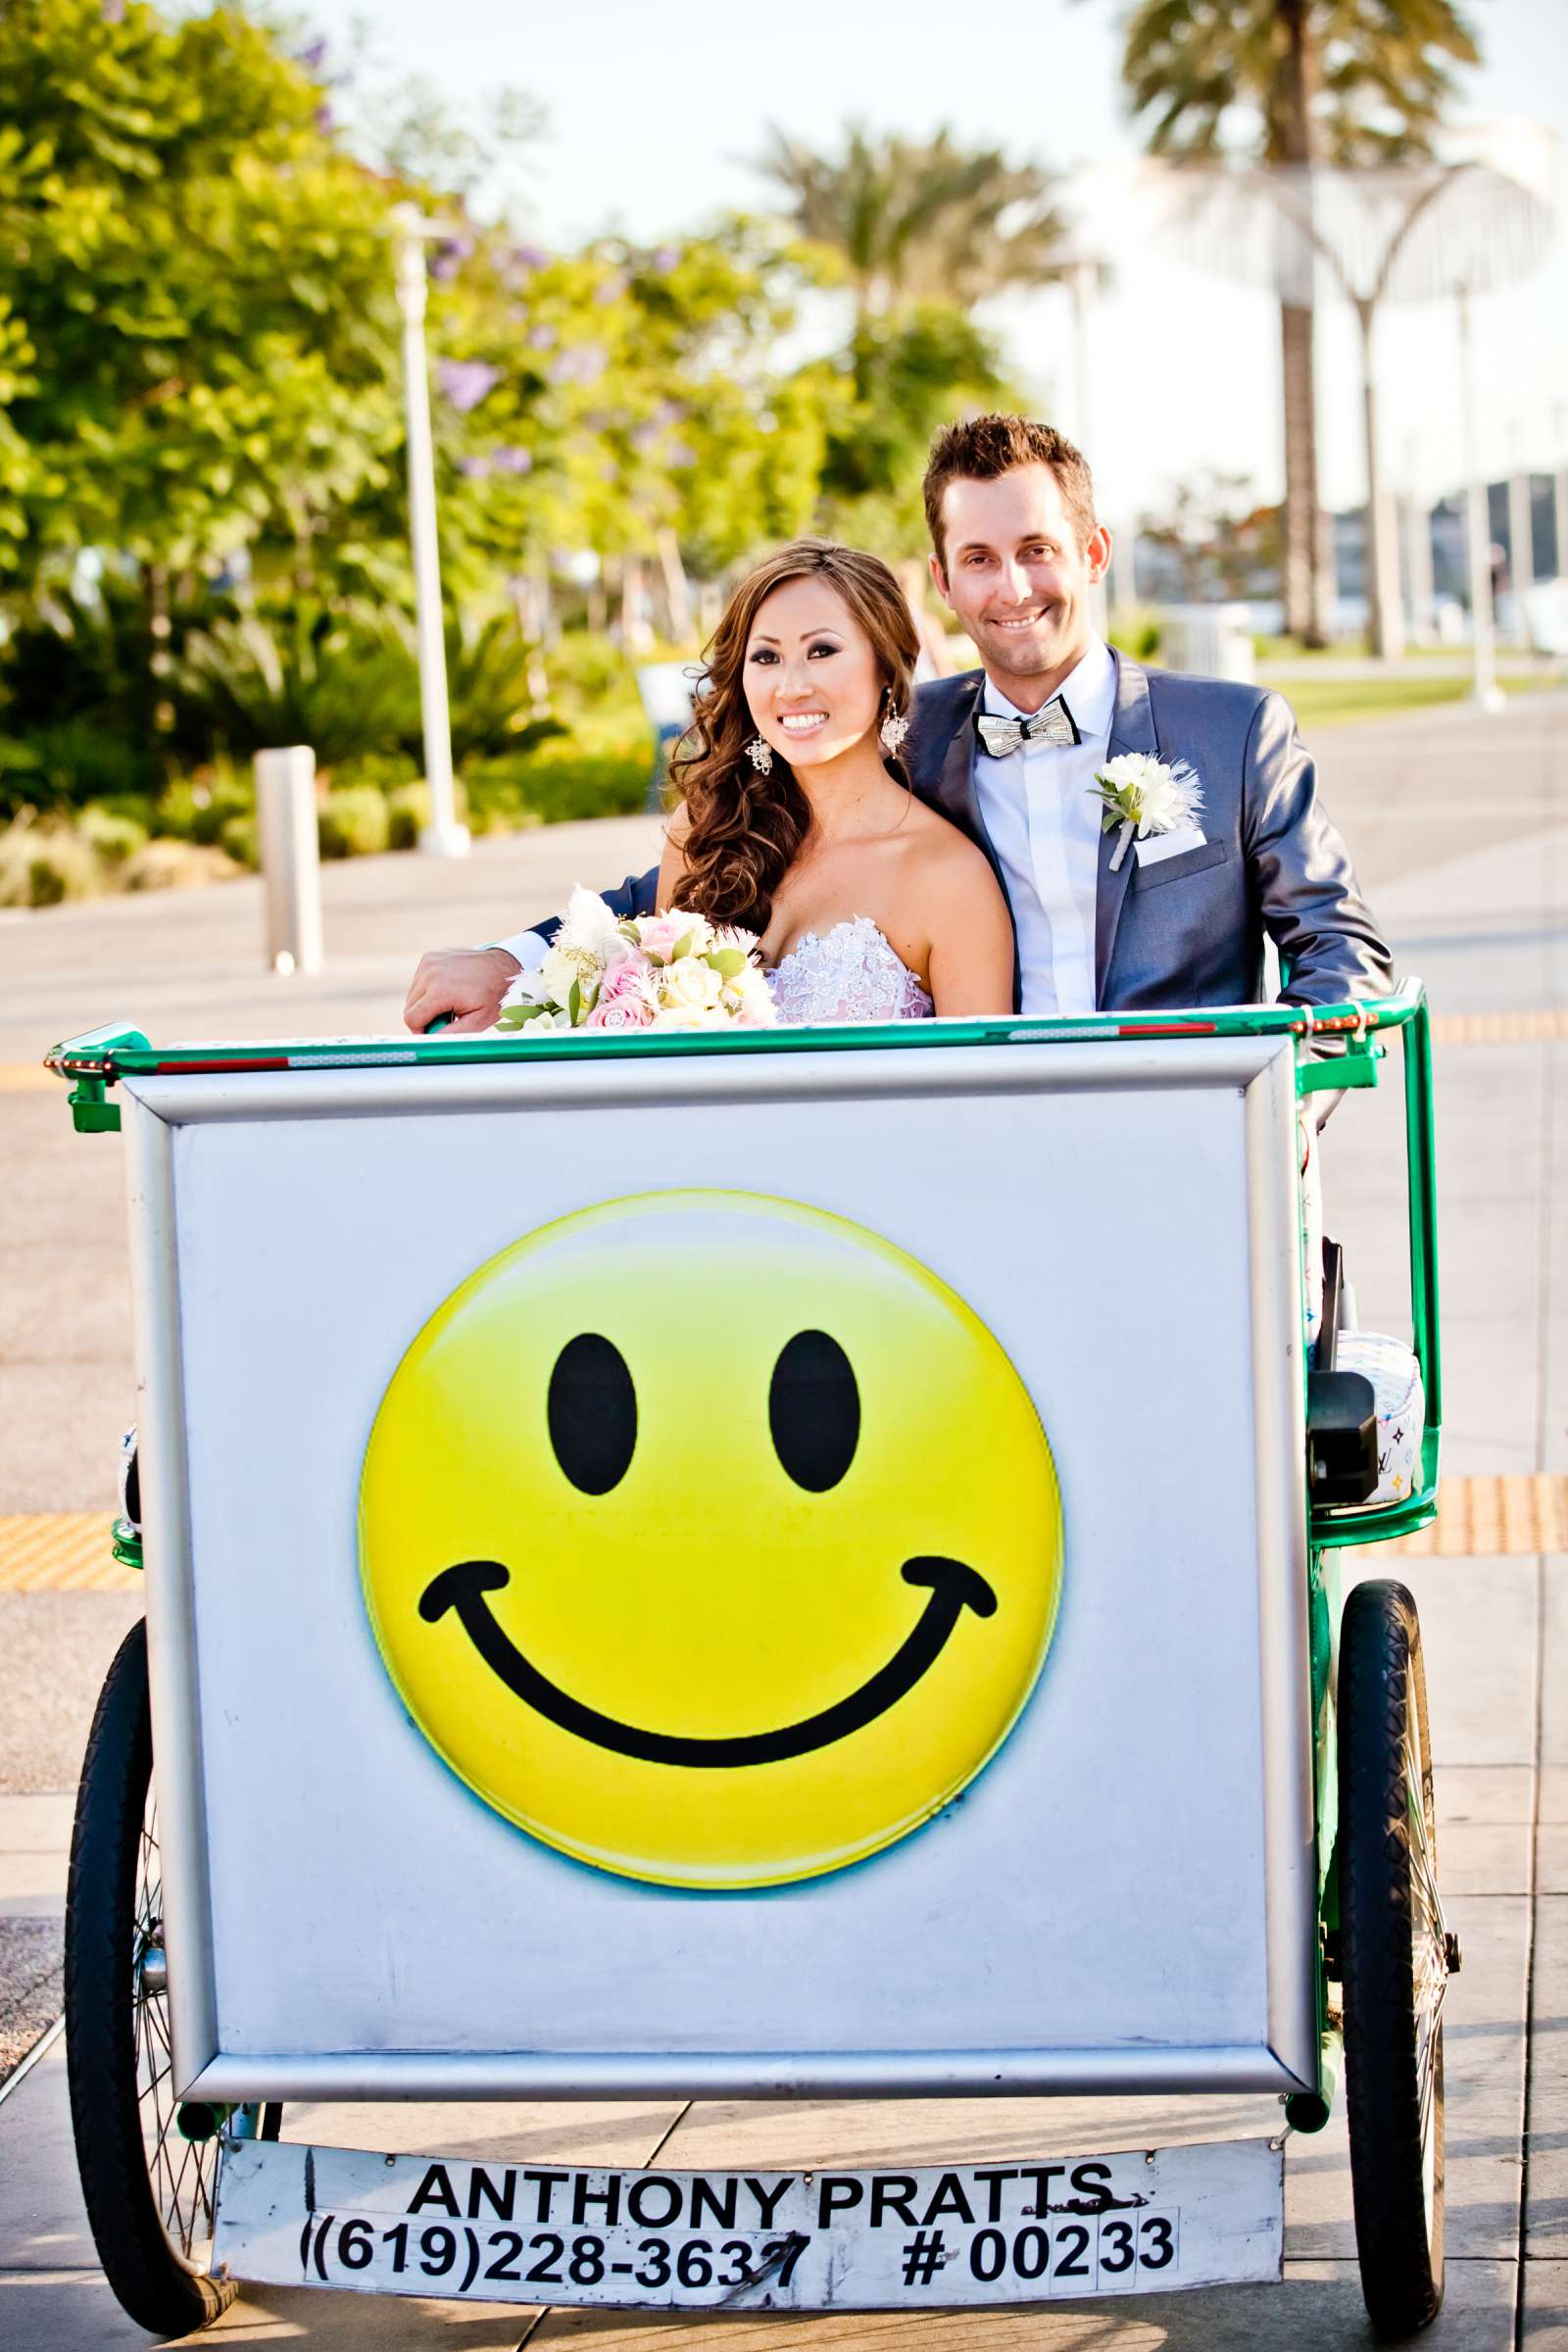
column 661, row 934
column 621, row 1004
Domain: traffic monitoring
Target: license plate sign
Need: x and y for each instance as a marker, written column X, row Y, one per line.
column 1135, row 2223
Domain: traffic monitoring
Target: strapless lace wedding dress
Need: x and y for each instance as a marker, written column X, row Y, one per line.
column 848, row 973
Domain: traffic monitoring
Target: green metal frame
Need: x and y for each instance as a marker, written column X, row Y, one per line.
column 1338, row 1048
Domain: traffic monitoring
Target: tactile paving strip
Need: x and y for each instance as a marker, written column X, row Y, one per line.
column 1482, row 1517
column 1478, row 1518
column 1498, row 1028
column 61, row 1551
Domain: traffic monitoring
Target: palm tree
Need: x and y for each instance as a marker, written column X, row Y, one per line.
column 1295, row 82
column 921, row 220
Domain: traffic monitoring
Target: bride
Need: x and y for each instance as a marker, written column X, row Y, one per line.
column 796, row 818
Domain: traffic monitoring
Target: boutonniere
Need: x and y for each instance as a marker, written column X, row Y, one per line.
column 1143, row 796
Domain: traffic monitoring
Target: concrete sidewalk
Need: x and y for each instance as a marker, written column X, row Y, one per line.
column 1457, row 825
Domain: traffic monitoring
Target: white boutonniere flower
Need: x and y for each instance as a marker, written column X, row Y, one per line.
column 1143, row 796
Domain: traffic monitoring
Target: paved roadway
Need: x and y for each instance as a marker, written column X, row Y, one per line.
column 1460, row 828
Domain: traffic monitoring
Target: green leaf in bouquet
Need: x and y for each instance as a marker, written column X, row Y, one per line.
column 574, row 1003
column 682, row 946
column 516, row 1016
column 726, row 961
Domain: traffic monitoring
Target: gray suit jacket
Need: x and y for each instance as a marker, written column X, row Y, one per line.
column 1191, row 929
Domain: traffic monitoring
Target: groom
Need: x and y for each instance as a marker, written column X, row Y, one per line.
column 1011, row 751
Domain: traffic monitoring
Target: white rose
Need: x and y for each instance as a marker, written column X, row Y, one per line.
column 690, row 983
column 751, row 999
column 564, row 966
column 691, row 1017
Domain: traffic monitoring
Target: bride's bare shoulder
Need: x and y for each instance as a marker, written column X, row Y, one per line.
column 947, row 854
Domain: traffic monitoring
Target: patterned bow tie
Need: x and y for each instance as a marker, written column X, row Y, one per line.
column 1002, row 736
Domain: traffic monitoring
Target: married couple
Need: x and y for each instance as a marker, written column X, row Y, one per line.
column 905, row 850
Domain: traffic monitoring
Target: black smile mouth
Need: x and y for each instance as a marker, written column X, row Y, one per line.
column 954, row 1588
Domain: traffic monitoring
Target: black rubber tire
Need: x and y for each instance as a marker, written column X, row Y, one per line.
column 1387, row 1897
column 149, row 2274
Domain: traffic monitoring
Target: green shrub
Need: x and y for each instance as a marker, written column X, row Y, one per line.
column 239, row 838
column 197, row 808
column 137, row 807
column 1135, row 630
column 584, row 668
column 408, row 813
column 557, row 783
column 353, row 822
column 41, row 864
column 490, row 693
column 387, row 769
column 115, row 838
column 66, row 763
column 346, row 683
column 90, row 658
column 169, row 864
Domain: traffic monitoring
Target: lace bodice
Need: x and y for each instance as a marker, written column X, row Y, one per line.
column 850, row 973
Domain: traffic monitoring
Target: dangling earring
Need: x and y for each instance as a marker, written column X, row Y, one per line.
column 893, row 730
column 761, row 754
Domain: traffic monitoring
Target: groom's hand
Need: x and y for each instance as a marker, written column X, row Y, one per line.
column 468, row 982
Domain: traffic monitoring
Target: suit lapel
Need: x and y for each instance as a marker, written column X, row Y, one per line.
column 955, row 793
column 1132, row 729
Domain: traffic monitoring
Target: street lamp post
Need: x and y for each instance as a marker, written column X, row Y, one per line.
column 1385, row 620
column 1478, row 524
column 443, row 836
column 1085, row 275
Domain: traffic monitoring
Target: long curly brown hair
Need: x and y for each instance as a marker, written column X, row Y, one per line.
column 746, row 828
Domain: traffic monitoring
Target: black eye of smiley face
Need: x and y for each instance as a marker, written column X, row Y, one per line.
column 592, row 1413
column 813, row 1412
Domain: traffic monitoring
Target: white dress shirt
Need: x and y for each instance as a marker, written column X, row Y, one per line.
column 1040, row 809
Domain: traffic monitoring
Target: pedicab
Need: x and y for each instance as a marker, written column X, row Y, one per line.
column 761, row 1565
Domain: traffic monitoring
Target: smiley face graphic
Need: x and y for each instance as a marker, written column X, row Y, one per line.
column 710, row 1538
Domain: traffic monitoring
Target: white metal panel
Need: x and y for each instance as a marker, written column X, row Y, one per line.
column 1094, row 1906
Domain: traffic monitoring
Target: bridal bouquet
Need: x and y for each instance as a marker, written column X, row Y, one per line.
column 652, row 972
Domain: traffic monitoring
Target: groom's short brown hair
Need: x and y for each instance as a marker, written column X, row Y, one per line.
column 984, row 446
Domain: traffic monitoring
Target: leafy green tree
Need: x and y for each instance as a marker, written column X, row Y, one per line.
column 919, row 232
column 921, row 220
column 909, row 374
column 1295, row 82
column 203, row 281
column 616, row 399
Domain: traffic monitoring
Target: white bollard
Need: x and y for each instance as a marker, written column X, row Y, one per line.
column 1208, row 640
column 291, row 871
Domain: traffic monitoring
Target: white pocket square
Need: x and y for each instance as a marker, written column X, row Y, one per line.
column 1155, row 848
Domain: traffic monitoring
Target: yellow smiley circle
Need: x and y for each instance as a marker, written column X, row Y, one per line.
column 710, row 1538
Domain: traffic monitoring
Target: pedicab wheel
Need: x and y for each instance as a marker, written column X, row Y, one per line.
column 1393, row 1959
column 148, row 2191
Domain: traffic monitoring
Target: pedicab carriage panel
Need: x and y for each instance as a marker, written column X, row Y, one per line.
column 476, row 1343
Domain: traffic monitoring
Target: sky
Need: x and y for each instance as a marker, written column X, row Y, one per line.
column 651, row 113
